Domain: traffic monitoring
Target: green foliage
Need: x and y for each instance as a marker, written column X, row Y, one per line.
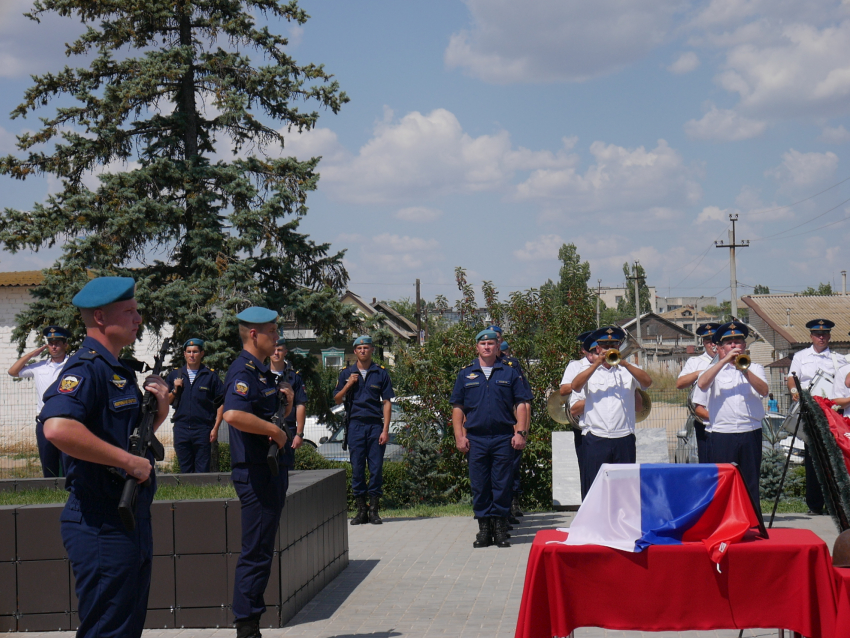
column 821, row 290
column 772, row 464
column 724, row 312
column 627, row 303
column 170, row 88
column 404, row 307
column 610, row 316
column 320, row 383
column 425, row 481
column 761, row 290
column 224, row 457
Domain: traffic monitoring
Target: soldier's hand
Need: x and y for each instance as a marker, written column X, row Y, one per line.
column 138, row 467
column 157, row 386
column 297, row 442
column 353, row 378
column 178, row 383
column 384, row 438
column 462, row 444
column 518, row 442
column 289, row 394
column 279, row 437
column 213, row 435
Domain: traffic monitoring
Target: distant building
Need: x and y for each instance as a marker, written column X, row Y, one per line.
column 689, row 318
column 612, row 296
column 665, row 344
column 666, row 304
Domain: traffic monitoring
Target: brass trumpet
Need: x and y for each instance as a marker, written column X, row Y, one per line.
column 742, row 362
column 612, row 357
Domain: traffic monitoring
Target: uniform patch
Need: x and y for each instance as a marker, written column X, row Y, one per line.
column 118, row 382
column 471, row 385
column 472, row 375
column 241, row 388
column 269, row 391
column 70, row 383
column 502, row 382
column 263, row 380
column 123, row 403
column 203, row 388
column 375, row 386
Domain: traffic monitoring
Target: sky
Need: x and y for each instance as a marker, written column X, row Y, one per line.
column 486, row 134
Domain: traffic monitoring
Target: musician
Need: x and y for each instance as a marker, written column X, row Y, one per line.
column 806, row 363
column 688, row 378
column 734, row 401
column 610, row 405
column 576, row 399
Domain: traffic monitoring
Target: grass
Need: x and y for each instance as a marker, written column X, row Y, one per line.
column 428, row 511
column 786, row 506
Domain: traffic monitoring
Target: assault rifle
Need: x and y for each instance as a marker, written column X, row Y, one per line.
column 279, row 420
column 347, row 404
column 142, row 439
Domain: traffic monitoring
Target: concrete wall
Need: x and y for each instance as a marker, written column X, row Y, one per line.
column 196, row 545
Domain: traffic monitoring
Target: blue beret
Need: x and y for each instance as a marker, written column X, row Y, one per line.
column 257, row 314
column 504, row 346
column 486, row 334
column 103, row 291
column 194, row 342
column 730, row 330
column 824, row 325
column 495, row 329
column 281, row 342
column 363, row 340
column 55, row 332
column 583, row 336
column 604, row 336
column 707, row 329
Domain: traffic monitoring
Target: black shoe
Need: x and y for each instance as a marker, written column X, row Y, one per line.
column 249, row 628
column 362, row 515
column 515, row 510
column 512, row 520
column 484, row 537
column 815, row 513
column 374, row 503
column 500, row 532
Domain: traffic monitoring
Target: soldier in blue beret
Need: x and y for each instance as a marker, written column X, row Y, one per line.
column 367, row 391
column 505, row 348
column 251, row 400
column 197, row 396
column 489, row 405
column 44, row 373
column 284, row 372
column 88, row 414
column 688, row 378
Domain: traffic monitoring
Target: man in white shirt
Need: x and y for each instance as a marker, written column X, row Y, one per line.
column 688, row 378
column 734, row 401
column 609, row 410
column 566, row 389
column 45, row 373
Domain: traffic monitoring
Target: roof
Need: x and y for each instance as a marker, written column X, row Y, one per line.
column 21, row 278
column 395, row 322
column 784, row 362
column 679, row 313
column 773, row 310
column 625, row 324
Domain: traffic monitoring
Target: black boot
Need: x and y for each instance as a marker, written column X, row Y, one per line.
column 374, row 503
column 362, row 515
column 249, row 628
column 512, row 520
column 500, row 532
column 484, row 537
column 515, row 510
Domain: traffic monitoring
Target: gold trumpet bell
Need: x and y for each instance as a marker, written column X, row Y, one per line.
column 612, row 357
column 743, row 361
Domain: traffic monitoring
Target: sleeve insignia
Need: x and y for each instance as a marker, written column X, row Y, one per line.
column 118, row 382
column 241, row 388
column 472, row 375
column 70, row 383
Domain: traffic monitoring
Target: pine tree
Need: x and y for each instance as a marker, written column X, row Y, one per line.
column 170, row 90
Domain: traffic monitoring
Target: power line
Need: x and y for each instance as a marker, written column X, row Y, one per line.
column 788, row 230
column 773, row 210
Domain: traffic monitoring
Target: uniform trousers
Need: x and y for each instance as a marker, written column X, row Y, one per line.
column 364, row 448
column 50, row 456
column 743, row 448
column 192, row 444
column 702, row 442
column 596, row 450
column 517, row 473
column 814, row 493
column 578, row 440
column 262, row 497
column 112, row 568
column 491, row 458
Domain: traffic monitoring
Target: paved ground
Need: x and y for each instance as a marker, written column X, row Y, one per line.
column 420, row 578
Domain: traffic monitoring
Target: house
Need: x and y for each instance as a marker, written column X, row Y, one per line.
column 612, row 296
column 666, row 304
column 666, row 345
column 689, row 318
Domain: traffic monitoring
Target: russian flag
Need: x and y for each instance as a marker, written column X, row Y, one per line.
column 632, row 506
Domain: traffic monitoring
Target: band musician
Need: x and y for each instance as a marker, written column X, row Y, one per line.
column 688, row 379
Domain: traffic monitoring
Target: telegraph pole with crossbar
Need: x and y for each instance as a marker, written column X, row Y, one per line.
column 637, row 279
column 733, row 278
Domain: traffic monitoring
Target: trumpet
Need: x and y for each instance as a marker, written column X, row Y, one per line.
column 742, row 362
column 612, row 357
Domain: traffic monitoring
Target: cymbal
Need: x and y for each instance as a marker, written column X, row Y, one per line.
column 555, row 406
column 647, row 406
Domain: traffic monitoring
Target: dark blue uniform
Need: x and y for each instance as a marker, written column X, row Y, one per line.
column 112, row 566
column 489, row 408
column 250, row 387
column 294, row 379
column 517, row 476
column 365, row 426
column 195, row 417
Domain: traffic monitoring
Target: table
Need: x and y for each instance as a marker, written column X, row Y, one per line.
column 842, row 584
column 785, row 582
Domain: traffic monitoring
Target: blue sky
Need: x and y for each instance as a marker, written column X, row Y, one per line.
column 486, row 133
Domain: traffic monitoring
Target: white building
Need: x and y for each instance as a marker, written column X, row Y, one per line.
column 612, row 296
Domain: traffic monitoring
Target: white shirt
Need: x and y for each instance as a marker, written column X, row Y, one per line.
column 573, row 368
column 45, row 373
column 609, row 404
column 807, row 362
column 698, row 364
column 839, row 390
column 732, row 401
column 575, row 397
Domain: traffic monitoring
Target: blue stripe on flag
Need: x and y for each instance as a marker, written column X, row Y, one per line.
column 672, row 501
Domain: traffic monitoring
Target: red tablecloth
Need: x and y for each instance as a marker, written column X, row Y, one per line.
column 842, row 585
column 786, row 582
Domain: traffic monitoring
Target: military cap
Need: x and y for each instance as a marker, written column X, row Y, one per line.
column 495, row 329
column 605, row 336
column 487, row 333
column 821, row 325
column 257, row 314
column 194, row 341
column 363, row 340
column 705, row 330
column 103, row 291
column 584, row 335
column 281, row 342
column 504, row 346
column 730, row 330
column 55, row 332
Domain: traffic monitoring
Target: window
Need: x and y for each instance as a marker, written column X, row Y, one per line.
column 333, row 357
column 618, row 298
column 689, row 327
column 300, row 352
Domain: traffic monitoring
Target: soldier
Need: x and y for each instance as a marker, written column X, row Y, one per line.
column 368, row 426
column 45, row 373
column 250, row 403
column 282, row 371
column 687, row 379
column 88, row 414
column 489, row 404
column 198, row 394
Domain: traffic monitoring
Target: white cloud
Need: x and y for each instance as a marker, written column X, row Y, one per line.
column 713, row 214
column 27, row 47
column 396, row 252
column 541, row 249
column 685, row 63
column 835, row 135
column 724, row 125
column 419, row 214
column 803, row 170
column 544, row 41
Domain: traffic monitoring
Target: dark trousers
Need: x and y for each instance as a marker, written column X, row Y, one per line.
column 578, row 440
column 596, row 450
column 743, row 448
column 491, row 459
column 364, row 448
column 262, row 497
column 193, row 448
column 702, row 442
column 112, row 568
column 50, row 456
column 814, row 493
column 517, row 474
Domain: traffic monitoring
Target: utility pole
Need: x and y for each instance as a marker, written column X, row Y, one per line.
column 598, row 298
column 637, row 279
column 418, row 315
column 733, row 278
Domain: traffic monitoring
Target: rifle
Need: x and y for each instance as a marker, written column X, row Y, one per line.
column 347, row 403
column 178, row 393
column 279, row 420
column 142, row 439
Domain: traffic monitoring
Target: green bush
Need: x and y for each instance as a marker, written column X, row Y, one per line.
column 772, row 464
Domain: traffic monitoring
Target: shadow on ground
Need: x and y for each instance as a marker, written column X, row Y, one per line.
column 331, row 598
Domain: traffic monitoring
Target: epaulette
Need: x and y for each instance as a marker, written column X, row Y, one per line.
column 248, row 364
column 296, row 372
column 469, row 366
column 91, row 355
column 383, row 368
